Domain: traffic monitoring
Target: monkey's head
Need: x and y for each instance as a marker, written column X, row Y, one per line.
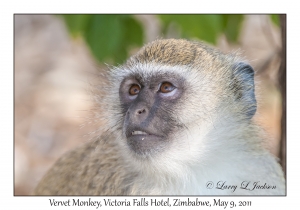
column 172, row 88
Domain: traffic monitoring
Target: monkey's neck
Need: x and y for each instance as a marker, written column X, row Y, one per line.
column 216, row 156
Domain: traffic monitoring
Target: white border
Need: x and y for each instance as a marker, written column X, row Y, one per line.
column 8, row 8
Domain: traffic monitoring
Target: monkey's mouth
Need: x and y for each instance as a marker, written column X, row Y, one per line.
column 142, row 141
column 139, row 132
column 134, row 133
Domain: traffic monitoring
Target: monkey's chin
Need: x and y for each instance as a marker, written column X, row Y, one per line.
column 146, row 144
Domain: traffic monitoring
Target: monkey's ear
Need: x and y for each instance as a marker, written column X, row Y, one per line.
column 244, row 88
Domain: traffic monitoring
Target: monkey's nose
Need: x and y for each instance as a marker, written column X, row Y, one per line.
column 140, row 114
column 141, row 111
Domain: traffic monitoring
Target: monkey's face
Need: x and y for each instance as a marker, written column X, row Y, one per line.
column 147, row 105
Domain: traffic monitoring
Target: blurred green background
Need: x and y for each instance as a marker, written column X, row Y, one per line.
column 111, row 37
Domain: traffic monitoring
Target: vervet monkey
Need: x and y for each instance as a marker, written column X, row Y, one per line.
column 178, row 118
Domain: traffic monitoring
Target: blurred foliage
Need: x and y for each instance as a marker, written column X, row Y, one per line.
column 111, row 37
column 275, row 19
column 205, row 27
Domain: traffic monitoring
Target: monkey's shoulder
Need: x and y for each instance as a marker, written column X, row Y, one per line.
column 95, row 168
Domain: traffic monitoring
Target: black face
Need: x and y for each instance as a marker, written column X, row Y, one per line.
column 148, row 108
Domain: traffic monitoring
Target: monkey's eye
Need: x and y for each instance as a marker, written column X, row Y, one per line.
column 134, row 89
column 166, row 87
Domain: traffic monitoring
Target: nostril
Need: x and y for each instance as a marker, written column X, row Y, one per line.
column 141, row 111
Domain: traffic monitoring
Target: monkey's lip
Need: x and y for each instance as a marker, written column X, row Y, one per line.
column 138, row 132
